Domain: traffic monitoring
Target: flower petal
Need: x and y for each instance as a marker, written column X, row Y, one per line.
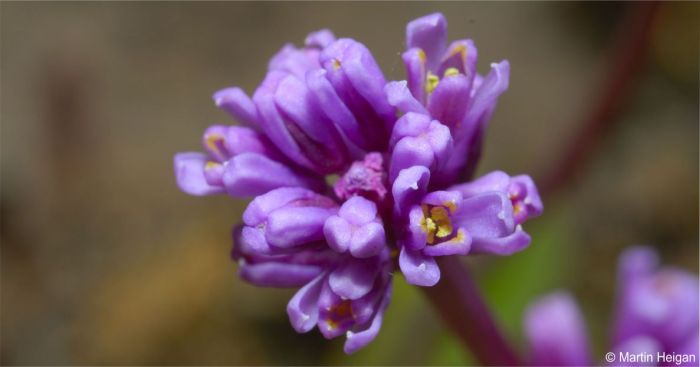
column 417, row 238
column 358, row 210
column 485, row 98
column 400, row 96
column 356, row 340
column 365, row 75
column 271, row 121
column 408, row 152
column 245, row 140
column 461, row 55
column 279, row 274
column 319, row 141
column 409, row 187
column 493, row 181
column 334, row 107
column 448, row 102
column 294, row 226
column 416, row 72
column 252, row 240
column 459, row 245
column 419, row 269
column 556, row 331
column 368, row 240
column 338, row 233
column 354, row 278
column 428, row 33
column 508, row 245
column 237, row 103
column 251, row 174
column 486, row 216
column 359, row 82
column 260, row 208
column 320, row 38
column 189, row 173
column 303, row 307
column 290, row 59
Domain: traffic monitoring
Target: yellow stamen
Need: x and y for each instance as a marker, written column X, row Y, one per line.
column 339, row 312
column 435, row 222
column 213, row 141
column 421, row 56
column 451, row 72
column 460, row 49
column 451, row 205
column 459, row 237
column 211, row 164
column 442, row 219
column 517, row 208
column 431, row 82
column 336, row 64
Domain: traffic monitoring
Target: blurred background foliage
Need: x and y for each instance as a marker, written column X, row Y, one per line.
column 104, row 261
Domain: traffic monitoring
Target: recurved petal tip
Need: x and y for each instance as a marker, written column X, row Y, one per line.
column 409, row 187
column 419, row 269
column 189, row 174
column 237, row 103
column 303, row 307
column 428, row 33
column 320, row 38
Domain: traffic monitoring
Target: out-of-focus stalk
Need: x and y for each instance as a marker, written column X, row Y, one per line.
column 626, row 54
column 461, row 306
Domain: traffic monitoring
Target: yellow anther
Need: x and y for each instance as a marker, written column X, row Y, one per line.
column 213, row 142
column 451, row 72
column 339, row 312
column 421, row 56
column 336, row 64
column 451, row 205
column 435, row 223
column 459, row 237
column 517, row 208
column 442, row 219
column 460, row 49
column 431, row 82
column 211, row 164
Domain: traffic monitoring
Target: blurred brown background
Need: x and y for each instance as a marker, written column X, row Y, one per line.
column 104, row 261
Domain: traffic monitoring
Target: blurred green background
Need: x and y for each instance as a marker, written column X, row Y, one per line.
column 104, row 261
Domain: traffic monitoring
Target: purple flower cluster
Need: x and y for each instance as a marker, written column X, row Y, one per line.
column 655, row 323
column 352, row 175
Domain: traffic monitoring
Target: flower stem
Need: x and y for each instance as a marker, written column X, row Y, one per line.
column 627, row 49
column 459, row 303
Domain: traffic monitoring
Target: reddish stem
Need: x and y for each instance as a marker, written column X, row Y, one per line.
column 626, row 53
column 459, row 303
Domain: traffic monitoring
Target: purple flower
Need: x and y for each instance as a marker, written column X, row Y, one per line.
column 239, row 161
column 285, row 218
column 521, row 191
column 356, row 228
column 349, row 299
column 657, row 312
column 419, row 141
column 556, row 331
column 291, row 269
column 658, row 303
column 483, row 216
column 442, row 82
column 345, row 187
